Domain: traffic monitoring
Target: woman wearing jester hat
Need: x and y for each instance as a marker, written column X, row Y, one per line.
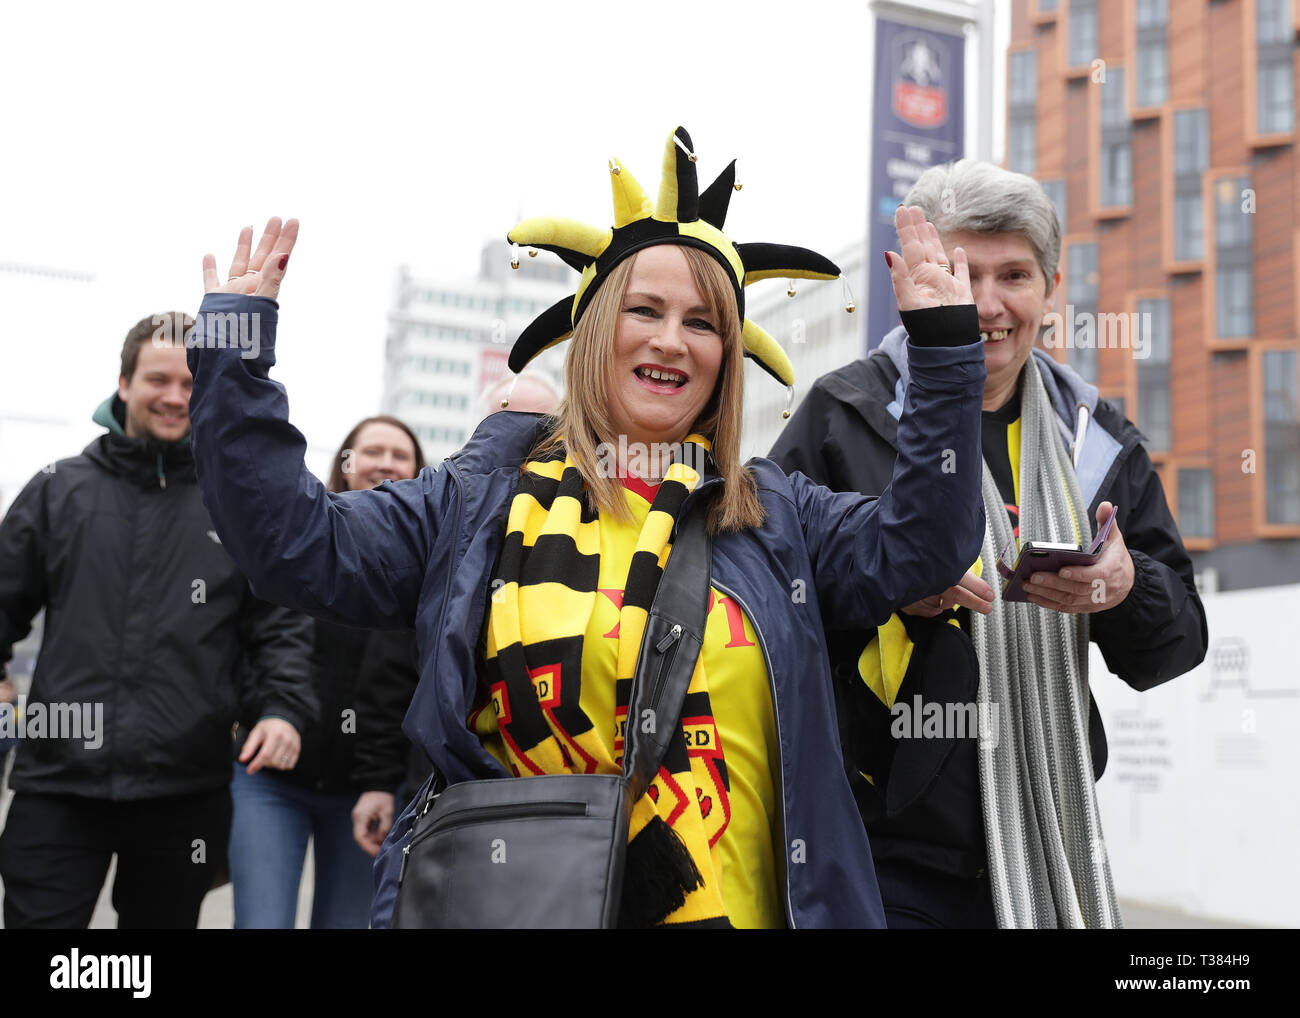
column 566, row 522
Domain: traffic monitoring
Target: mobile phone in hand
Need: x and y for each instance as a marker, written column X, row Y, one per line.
column 1049, row 557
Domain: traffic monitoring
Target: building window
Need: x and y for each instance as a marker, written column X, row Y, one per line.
column 1273, row 20
column 1114, row 110
column 1231, row 222
column 1282, row 436
column 1196, row 502
column 1081, row 41
column 1022, row 83
column 1276, row 98
column 1235, row 318
column 1275, row 80
column 1234, row 280
column 439, row 366
column 1022, row 147
column 1191, row 141
column 1152, row 64
column 452, row 436
column 1081, row 293
column 1154, row 418
column 1055, row 191
column 1022, row 86
column 1191, row 157
column 1189, row 232
column 1116, row 174
column 453, row 400
column 1116, row 143
column 1022, row 124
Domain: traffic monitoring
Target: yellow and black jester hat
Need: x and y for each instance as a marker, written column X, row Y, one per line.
column 682, row 215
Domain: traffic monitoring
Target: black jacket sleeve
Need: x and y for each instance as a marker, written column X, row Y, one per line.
column 799, row 446
column 24, row 534
column 1159, row 631
column 828, row 441
column 278, row 646
column 387, row 683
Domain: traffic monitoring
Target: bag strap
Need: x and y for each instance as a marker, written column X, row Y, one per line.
column 674, row 634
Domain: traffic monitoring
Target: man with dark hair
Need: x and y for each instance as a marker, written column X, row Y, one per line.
column 153, row 644
column 168, row 329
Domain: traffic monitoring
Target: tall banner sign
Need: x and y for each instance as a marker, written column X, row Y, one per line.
column 917, row 122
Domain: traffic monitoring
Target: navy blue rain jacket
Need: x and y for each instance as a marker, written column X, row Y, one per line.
column 420, row 554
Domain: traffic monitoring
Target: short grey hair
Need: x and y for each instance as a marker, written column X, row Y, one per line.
column 978, row 197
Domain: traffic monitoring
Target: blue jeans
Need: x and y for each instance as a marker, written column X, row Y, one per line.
column 273, row 819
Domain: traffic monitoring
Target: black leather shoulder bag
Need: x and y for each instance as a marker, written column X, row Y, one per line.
column 548, row 851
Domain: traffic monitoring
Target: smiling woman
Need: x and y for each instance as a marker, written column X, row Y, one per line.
column 529, row 572
column 1013, row 295
column 650, row 362
column 667, row 347
column 377, row 449
column 964, row 834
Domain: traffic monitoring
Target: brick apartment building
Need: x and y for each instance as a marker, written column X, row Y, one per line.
column 1165, row 131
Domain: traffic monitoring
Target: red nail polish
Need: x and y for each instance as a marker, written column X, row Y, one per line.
column 283, row 262
column 888, row 262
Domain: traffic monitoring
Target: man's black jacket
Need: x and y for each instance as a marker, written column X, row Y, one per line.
column 145, row 614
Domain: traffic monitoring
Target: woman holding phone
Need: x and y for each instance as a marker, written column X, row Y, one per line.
column 975, row 827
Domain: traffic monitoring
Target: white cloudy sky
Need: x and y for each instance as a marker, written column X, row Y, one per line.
column 138, row 136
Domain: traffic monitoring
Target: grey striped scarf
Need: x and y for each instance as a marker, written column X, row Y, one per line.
column 1047, row 859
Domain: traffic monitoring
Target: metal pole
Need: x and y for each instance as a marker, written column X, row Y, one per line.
column 986, row 27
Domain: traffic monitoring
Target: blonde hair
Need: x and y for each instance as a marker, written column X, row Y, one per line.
column 583, row 421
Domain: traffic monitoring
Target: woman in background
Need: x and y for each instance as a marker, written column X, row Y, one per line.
column 275, row 812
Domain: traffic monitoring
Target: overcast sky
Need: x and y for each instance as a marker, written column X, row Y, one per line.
column 139, row 136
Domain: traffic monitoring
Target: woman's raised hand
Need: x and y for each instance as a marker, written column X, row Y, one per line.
column 922, row 276
column 260, row 273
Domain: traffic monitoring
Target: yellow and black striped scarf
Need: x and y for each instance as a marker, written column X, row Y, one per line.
column 543, row 595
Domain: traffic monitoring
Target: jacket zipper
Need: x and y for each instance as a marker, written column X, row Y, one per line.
column 442, row 615
column 780, row 767
column 482, row 814
column 451, row 569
